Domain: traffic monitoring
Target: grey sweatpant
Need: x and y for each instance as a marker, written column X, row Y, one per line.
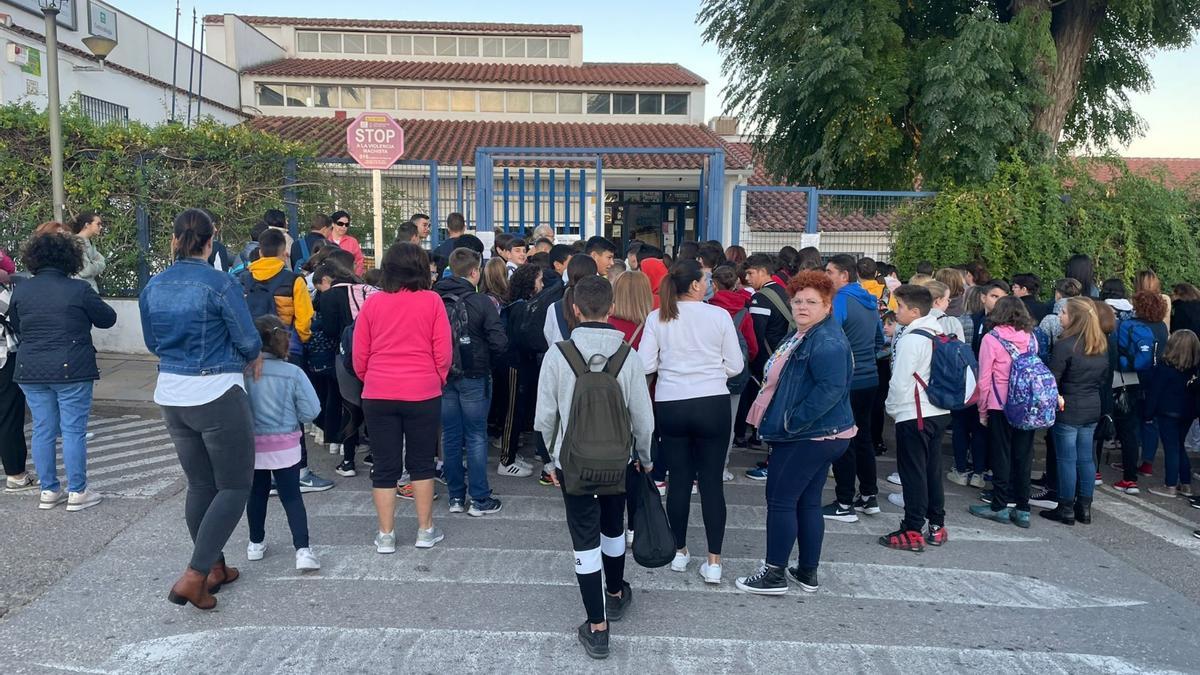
column 215, row 444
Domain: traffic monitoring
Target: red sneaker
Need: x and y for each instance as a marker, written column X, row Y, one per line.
column 1146, row 469
column 1099, row 478
column 904, row 540
column 1129, row 487
column 936, row 535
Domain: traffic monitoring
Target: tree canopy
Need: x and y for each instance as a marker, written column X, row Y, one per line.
column 891, row 93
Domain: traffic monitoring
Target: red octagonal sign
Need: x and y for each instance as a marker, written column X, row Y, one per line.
column 375, row 140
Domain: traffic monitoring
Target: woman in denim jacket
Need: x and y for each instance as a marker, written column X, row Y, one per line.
column 803, row 411
column 195, row 320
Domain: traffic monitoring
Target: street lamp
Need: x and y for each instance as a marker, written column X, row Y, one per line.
column 50, row 9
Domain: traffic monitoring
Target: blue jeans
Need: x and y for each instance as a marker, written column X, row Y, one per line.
column 1076, row 465
column 465, row 403
column 794, row 484
column 60, row 409
column 1177, row 468
column 1149, row 435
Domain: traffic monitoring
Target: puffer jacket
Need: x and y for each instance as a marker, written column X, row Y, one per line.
column 54, row 315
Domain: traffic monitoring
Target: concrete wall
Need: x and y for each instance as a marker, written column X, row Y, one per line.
column 126, row 336
column 249, row 47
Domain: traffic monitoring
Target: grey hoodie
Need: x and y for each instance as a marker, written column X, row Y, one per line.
column 556, row 386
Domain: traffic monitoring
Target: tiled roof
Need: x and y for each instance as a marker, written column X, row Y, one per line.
column 1178, row 171
column 608, row 74
column 449, row 142
column 422, row 26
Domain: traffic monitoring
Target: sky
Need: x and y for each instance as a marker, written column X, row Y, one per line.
column 666, row 31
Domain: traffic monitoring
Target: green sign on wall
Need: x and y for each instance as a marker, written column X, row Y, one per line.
column 34, row 65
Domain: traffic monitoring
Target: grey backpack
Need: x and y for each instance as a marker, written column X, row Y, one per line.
column 599, row 436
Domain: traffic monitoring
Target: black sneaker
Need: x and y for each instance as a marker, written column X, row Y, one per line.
column 768, row 580
column 1043, row 497
column 807, row 578
column 614, row 608
column 345, row 469
column 880, row 449
column 1195, row 502
column 595, row 643
column 840, row 513
column 868, row 505
column 1196, row 534
column 369, row 460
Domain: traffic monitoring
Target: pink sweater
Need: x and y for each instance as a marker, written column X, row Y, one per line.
column 402, row 348
column 350, row 245
column 994, row 366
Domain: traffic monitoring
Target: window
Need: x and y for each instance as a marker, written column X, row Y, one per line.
column 299, row 95
column 493, row 46
column 437, row 99
column 624, row 104
column 545, row 102
column 423, row 45
column 447, row 46
column 308, row 42
column 649, row 104
column 353, row 97
column 468, row 46
column 101, row 111
column 402, row 45
column 570, row 104
column 377, row 44
column 408, row 99
column 354, row 43
column 270, row 94
column 599, row 104
column 491, row 101
column 675, row 104
column 560, row 48
column 462, row 100
column 536, row 47
column 325, row 96
column 514, row 47
column 517, row 101
column 331, row 43
column 383, row 98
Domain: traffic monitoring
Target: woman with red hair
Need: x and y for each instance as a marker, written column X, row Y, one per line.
column 803, row 411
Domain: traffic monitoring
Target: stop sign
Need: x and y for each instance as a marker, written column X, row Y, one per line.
column 375, row 140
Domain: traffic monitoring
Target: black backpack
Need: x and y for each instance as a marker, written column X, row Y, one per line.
column 737, row 383
column 460, row 337
column 260, row 295
column 599, row 436
column 532, row 319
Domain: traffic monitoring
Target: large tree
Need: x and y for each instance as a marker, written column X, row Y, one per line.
column 890, row 93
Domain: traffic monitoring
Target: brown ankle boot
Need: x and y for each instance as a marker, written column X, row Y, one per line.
column 192, row 587
column 221, row 575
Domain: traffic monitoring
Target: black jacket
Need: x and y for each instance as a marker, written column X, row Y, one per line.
column 980, row 328
column 1037, row 309
column 53, row 315
column 1185, row 315
column 219, row 252
column 1081, row 379
column 1167, row 393
column 488, row 340
column 771, row 325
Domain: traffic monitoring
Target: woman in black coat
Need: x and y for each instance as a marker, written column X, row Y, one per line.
column 56, row 363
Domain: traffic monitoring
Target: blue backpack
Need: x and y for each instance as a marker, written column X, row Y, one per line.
column 953, row 372
column 1032, row 392
column 1137, row 348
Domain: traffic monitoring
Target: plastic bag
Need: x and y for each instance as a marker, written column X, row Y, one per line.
column 653, row 543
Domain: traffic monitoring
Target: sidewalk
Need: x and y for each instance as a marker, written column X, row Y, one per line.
column 126, row 381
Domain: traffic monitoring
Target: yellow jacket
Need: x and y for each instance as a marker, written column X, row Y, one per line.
column 295, row 310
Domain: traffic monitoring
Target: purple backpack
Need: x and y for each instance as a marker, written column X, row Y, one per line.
column 1032, row 392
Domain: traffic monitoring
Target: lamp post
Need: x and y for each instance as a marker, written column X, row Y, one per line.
column 50, row 10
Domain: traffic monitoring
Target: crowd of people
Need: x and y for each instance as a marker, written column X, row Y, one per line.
column 558, row 355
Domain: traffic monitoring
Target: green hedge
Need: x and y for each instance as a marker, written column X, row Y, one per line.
column 1033, row 218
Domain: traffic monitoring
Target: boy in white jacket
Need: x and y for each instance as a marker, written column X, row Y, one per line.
column 919, row 424
column 596, row 522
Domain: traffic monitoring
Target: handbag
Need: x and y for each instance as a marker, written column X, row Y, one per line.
column 1123, row 402
column 653, row 543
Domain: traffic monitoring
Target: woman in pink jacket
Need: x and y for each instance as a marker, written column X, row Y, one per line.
column 402, row 354
column 340, row 236
column 1009, row 449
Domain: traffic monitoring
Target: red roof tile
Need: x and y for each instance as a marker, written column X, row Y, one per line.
column 653, row 74
column 1178, row 171
column 449, row 142
column 422, row 26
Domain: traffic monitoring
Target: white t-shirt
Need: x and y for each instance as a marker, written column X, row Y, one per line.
column 693, row 355
column 185, row 391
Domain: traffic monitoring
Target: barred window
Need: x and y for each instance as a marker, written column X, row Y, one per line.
column 101, row 112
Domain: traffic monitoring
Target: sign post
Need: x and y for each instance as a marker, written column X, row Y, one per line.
column 375, row 141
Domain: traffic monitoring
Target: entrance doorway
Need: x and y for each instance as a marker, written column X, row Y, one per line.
column 661, row 218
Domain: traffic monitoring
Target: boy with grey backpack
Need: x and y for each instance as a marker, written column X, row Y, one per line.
column 593, row 412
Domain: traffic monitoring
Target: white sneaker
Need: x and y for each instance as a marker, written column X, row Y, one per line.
column 897, row 499
column 318, row 435
column 710, row 573
column 894, row 478
column 976, row 480
column 78, row 501
column 680, row 563
column 662, row 488
column 427, row 538
column 514, row 470
column 89, row 436
column 695, row 488
column 307, row 560
column 255, row 551
column 25, row 483
column 958, row 478
column 335, row 448
column 628, row 538
column 727, row 477
column 385, row 542
column 52, row 498
column 521, row 461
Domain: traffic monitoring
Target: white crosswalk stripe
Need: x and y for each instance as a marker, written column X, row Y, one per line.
column 129, row 456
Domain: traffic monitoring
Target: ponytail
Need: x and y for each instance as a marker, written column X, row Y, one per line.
column 578, row 267
column 678, row 281
column 193, row 230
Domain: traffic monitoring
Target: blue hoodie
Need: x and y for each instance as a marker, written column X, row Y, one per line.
column 857, row 311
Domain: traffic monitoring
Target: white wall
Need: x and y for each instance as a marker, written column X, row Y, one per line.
column 126, row 336
column 247, row 47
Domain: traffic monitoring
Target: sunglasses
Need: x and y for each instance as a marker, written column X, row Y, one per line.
column 343, row 223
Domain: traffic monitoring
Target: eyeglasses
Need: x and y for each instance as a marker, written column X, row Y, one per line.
column 343, row 223
column 808, row 303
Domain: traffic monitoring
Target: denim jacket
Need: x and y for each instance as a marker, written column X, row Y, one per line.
column 812, row 399
column 195, row 320
column 282, row 399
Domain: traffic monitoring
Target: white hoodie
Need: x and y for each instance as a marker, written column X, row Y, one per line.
column 914, row 355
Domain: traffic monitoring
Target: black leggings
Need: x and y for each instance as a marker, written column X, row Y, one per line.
column 404, row 435
column 287, row 481
column 13, row 451
column 695, row 436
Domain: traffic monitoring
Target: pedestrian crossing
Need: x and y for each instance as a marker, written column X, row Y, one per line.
column 128, row 456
